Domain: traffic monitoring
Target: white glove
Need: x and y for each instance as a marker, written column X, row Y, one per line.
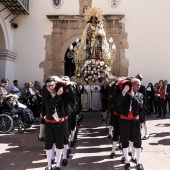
column 126, row 88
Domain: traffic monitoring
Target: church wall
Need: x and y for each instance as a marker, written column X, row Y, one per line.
column 145, row 22
column 29, row 41
column 147, row 26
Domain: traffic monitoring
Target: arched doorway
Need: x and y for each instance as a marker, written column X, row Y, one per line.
column 7, row 57
column 69, row 66
column 2, row 39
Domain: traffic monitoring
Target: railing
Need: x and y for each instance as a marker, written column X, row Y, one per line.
column 25, row 3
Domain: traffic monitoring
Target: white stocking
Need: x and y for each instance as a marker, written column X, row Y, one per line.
column 114, row 146
column 65, row 152
column 53, row 150
column 42, row 127
column 125, row 154
column 49, row 156
column 145, row 129
column 110, row 130
column 138, row 153
column 58, row 154
column 132, row 149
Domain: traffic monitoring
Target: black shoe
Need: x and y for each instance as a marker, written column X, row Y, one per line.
column 140, row 167
column 56, row 168
column 109, row 136
column 145, row 137
column 64, row 162
column 52, row 161
column 112, row 155
column 130, row 153
column 134, row 160
column 41, row 138
column 158, row 116
column 123, row 160
column 127, row 166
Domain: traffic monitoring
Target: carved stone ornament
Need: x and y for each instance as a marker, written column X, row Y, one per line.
column 114, row 3
column 57, row 3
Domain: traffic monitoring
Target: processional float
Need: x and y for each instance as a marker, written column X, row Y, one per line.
column 93, row 55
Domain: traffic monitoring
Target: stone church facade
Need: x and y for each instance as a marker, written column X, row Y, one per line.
column 37, row 48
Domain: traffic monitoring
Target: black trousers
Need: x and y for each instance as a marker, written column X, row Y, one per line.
column 66, row 133
column 54, row 133
column 167, row 100
column 116, row 133
column 161, row 106
column 130, row 131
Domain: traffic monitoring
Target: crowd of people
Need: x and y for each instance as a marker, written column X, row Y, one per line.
column 58, row 103
column 129, row 102
column 22, row 102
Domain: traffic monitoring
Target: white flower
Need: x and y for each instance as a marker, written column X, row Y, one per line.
column 101, row 63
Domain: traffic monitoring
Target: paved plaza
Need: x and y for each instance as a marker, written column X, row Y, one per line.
column 91, row 151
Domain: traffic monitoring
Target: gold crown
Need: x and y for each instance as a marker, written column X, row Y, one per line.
column 93, row 12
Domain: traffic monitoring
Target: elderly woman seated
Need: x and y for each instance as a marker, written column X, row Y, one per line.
column 11, row 104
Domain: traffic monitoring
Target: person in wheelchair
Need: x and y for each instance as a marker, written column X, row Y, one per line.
column 4, row 94
column 11, row 105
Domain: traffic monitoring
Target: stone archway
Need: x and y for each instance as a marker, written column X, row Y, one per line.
column 7, row 57
column 66, row 28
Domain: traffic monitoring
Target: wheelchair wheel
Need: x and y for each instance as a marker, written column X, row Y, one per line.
column 6, row 123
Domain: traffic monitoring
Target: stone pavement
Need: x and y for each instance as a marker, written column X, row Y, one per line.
column 91, row 151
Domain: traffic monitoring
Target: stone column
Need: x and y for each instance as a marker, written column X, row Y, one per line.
column 56, row 48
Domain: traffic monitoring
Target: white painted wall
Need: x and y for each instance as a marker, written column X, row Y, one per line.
column 146, row 22
column 29, row 41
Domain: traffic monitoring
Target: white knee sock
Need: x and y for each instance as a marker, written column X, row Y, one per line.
column 114, row 146
column 138, row 153
column 125, row 154
column 145, row 129
column 53, row 151
column 110, row 130
column 42, row 127
column 58, row 154
column 65, row 152
column 132, row 149
column 68, row 147
column 49, row 156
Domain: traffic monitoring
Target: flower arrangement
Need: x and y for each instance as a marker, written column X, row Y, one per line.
column 95, row 71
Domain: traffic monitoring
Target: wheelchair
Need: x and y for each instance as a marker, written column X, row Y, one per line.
column 9, row 122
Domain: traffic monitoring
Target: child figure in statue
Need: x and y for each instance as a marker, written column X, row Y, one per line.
column 93, row 40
